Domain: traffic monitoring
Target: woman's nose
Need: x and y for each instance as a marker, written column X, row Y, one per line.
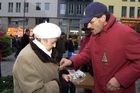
column 54, row 45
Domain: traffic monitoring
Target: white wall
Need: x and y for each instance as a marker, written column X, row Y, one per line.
column 52, row 12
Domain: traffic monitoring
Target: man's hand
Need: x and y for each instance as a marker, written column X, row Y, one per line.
column 64, row 62
column 113, row 84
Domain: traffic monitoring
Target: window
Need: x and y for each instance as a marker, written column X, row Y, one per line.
column 18, row 7
column 132, row 0
column 79, row 9
column 17, row 21
column 85, row 0
column 138, row 12
column 132, row 12
column 38, row 6
column 0, row 6
column 47, row 6
column 71, row 9
column 41, row 20
column 124, row 11
column 26, row 7
column 62, row 9
column 111, row 9
column 10, row 7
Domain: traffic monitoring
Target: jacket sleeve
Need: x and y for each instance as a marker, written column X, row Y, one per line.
column 30, row 81
column 82, row 58
column 131, row 72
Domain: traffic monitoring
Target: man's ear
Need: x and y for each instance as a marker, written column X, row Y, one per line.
column 103, row 18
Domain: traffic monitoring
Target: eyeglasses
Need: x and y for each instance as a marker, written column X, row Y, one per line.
column 93, row 20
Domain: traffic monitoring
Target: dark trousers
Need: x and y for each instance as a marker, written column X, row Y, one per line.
column 0, row 69
column 65, row 87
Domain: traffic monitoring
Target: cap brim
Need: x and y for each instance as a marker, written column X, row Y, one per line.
column 85, row 20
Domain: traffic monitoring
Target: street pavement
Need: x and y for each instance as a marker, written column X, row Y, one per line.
column 7, row 65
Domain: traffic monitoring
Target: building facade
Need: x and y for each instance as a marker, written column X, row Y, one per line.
column 24, row 14
column 65, row 13
column 27, row 13
column 70, row 12
column 126, row 11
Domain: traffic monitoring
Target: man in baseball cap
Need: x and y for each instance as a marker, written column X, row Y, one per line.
column 93, row 10
column 113, row 50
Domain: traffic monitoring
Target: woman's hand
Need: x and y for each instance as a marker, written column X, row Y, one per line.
column 67, row 77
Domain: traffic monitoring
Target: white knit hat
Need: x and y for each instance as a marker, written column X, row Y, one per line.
column 47, row 30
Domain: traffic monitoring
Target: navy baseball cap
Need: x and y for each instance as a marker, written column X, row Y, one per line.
column 92, row 10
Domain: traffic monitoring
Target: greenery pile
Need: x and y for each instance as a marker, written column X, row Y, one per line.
column 6, row 84
column 5, row 42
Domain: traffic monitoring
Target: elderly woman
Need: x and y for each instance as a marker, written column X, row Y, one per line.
column 35, row 70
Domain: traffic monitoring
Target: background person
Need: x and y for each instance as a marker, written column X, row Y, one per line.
column 66, row 85
column 114, row 49
column 60, row 46
column 25, row 38
column 70, row 47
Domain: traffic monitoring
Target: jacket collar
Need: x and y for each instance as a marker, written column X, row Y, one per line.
column 42, row 55
column 42, row 47
column 110, row 23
